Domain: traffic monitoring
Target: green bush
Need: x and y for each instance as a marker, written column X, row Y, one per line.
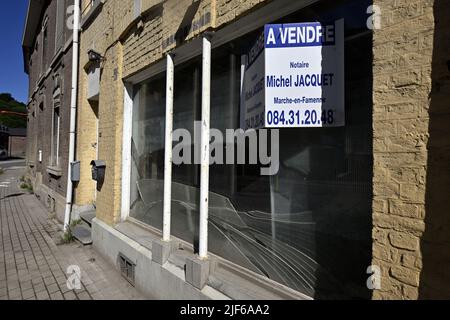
column 68, row 237
column 27, row 186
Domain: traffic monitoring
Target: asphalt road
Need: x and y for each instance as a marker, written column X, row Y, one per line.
column 12, row 163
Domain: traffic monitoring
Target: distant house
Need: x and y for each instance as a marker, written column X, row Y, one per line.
column 17, row 142
column 13, row 142
column 4, row 142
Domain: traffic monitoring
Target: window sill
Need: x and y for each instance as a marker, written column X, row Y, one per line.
column 54, row 171
column 225, row 277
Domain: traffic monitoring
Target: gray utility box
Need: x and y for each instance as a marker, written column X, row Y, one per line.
column 98, row 170
column 75, row 171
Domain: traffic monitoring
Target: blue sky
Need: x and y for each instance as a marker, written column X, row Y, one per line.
column 12, row 76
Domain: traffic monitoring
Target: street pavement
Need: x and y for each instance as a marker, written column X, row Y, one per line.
column 12, row 163
column 34, row 265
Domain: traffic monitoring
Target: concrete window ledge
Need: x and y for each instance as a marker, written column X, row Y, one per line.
column 54, row 171
column 226, row 280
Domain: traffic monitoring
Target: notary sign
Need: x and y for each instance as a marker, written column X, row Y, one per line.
column 252, row 95
column 304, row 75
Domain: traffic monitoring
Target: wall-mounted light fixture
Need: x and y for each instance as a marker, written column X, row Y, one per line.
column 94, row 56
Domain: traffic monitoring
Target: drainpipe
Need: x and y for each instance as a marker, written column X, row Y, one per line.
column 168, row 153
column 205, row 140
column 73, row 112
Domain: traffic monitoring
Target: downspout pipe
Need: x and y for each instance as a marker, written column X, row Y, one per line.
column 73, row 112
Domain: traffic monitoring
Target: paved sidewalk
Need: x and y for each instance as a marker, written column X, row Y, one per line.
column 34, row 267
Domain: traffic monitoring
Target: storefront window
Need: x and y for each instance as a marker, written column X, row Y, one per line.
column 147, row 189
column 147, row 165
column 309, row 226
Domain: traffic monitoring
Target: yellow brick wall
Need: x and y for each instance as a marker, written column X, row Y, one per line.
column 86, row 140
column 110, row 131
column 162, row 21
column 102, row 36
column 229, row 10
column 95, row 37
column 401, row 80
column 143, row 47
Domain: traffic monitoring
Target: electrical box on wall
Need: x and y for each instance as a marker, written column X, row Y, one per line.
column 75, row 171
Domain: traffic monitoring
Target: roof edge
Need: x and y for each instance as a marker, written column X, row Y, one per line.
column 34, row 12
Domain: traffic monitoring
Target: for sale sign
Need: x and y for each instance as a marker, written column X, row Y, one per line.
column 304, row 75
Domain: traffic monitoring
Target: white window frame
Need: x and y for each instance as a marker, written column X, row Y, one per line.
column 55, row 153
column 44, row 29
column 126, row 151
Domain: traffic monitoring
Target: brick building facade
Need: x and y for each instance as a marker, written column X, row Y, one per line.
column 48, row 62
column 384, row 190
column 411, row 149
